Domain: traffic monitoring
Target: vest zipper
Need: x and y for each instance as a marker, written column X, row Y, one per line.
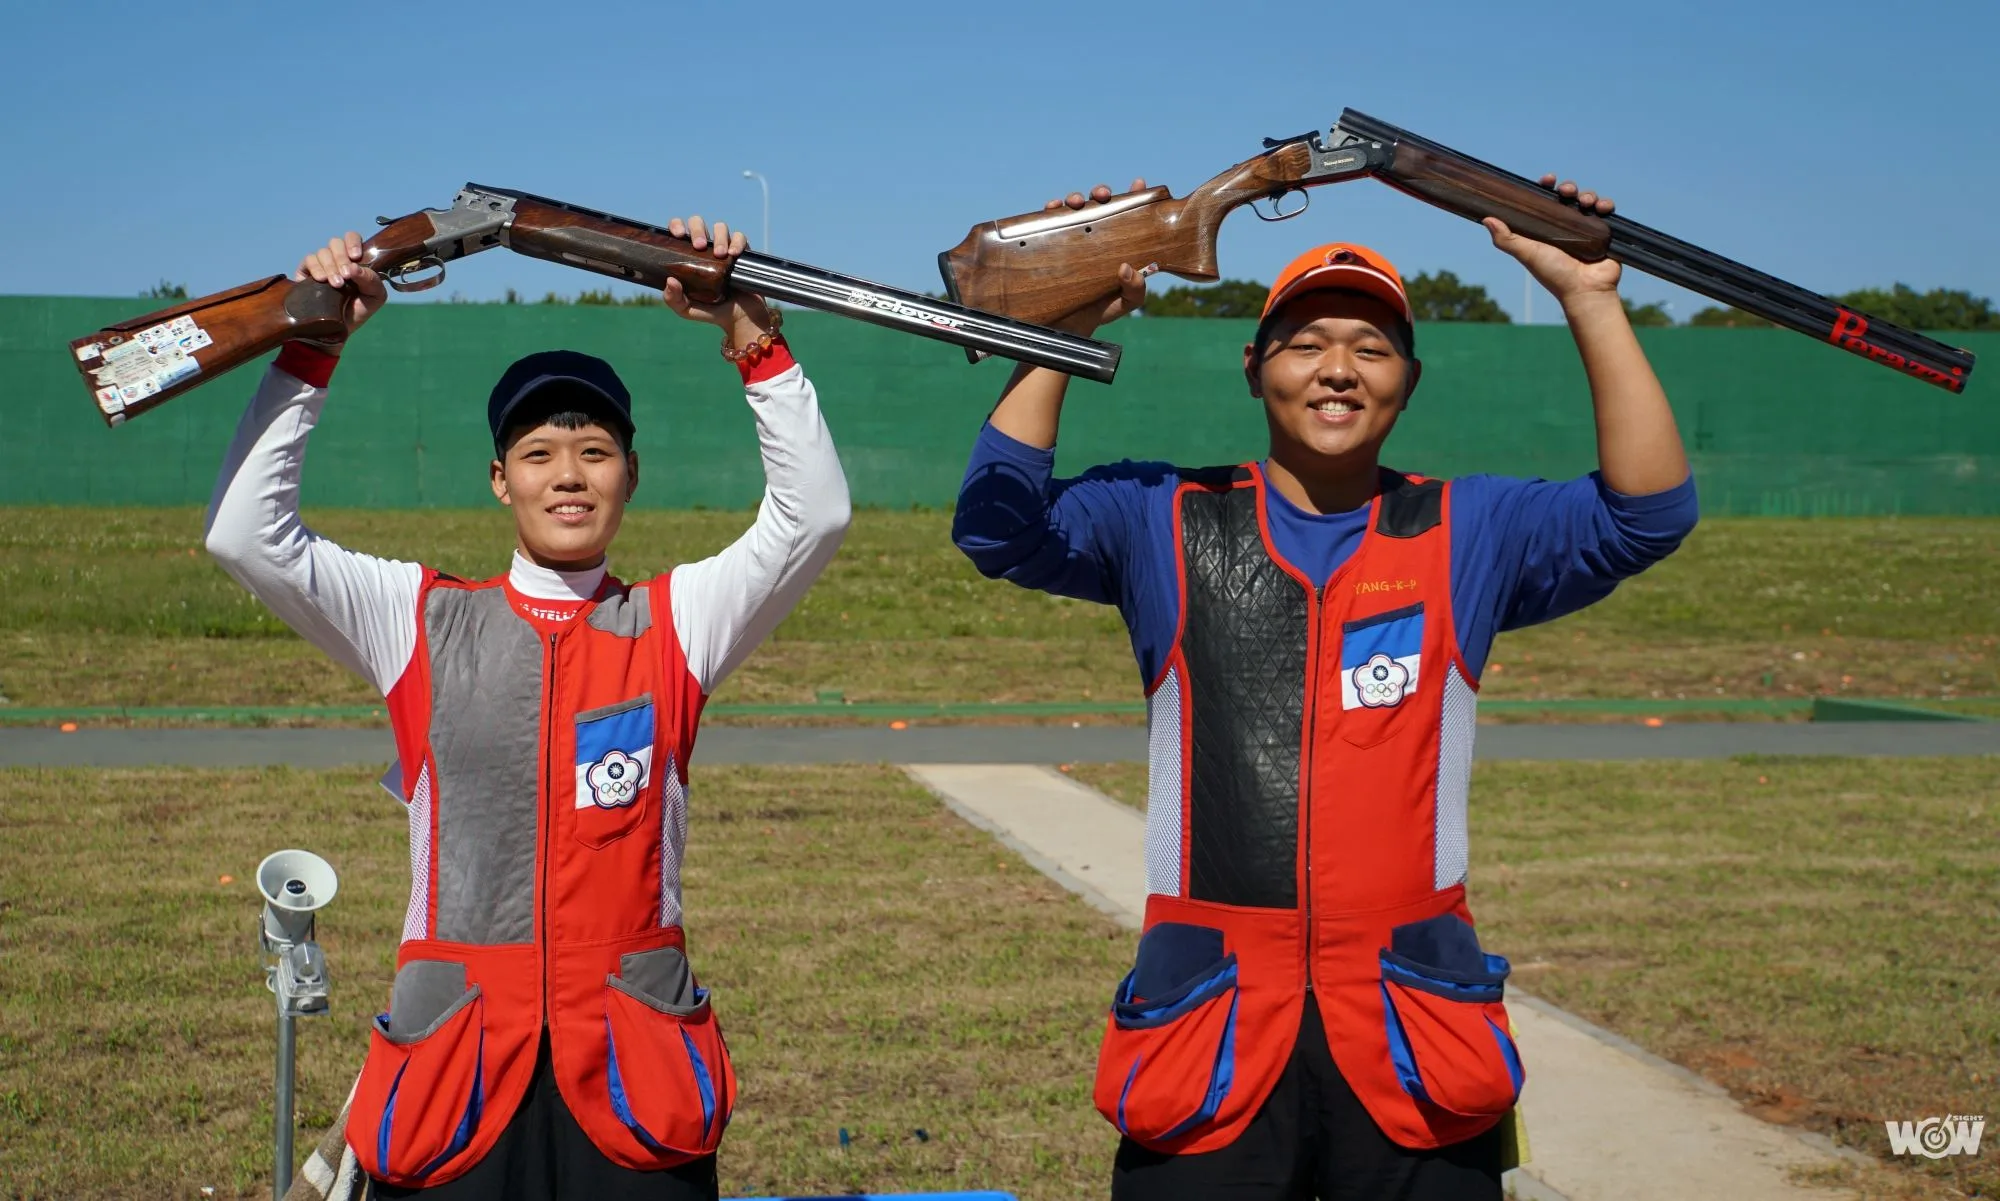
column 1305, row 793
column 547, row 820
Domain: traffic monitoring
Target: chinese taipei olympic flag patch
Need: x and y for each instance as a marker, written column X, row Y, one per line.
column 1379, row 657
column 614, row 754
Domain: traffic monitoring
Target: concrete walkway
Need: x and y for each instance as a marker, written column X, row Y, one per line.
column 213, row 747
column 1605, row 1120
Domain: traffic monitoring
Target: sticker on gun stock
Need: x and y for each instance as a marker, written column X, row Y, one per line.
column 155, row 359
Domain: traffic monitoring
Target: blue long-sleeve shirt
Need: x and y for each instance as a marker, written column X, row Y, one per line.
column 1523, row 550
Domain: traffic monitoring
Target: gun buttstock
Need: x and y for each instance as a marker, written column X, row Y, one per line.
column 137, row 365
column 1046, row 266
column 1042, row 267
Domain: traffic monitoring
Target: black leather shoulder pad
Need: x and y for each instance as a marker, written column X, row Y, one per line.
column 1409, row 508
column 1223, row 476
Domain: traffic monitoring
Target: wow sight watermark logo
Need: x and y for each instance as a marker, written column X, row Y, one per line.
column 1935, row 1138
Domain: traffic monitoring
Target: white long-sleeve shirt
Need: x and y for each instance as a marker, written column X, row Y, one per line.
column 362, row 610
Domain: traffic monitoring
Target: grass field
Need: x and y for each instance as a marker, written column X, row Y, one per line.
column 1818, row 936
column 877, row 965
column 121, row 607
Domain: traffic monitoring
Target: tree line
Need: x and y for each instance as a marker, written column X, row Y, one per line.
column 1434, row 296
column 1442, row 296
column 165, row 290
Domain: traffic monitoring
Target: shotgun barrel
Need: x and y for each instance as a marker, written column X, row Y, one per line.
column 1416, row 165
column 647, row 254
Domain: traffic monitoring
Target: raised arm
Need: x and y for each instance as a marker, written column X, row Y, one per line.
column 1638, row 444
column 1014, row 520
column 359, row 609
column 726, row 605
column 1529, row 551
column 1030, row 407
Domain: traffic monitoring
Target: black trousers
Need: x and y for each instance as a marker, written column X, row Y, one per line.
column 1313, row 1139
column 543, row 1155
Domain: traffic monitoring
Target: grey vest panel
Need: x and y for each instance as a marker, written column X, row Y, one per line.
column 1244, row 641
column 628, row 615
column 487, row 669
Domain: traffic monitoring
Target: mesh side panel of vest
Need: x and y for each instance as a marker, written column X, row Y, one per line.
column 416, row 918
column 1454, row 781
column 1163, row 786
column 487, row 665
column 1245, row 646
column 673, row 840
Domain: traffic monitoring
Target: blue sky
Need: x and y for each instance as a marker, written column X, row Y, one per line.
column 1833, row 143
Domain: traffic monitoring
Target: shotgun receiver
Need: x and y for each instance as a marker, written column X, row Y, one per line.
column 142, row 363
column 1044, row 266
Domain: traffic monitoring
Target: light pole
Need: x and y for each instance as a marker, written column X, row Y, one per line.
column 765, row 184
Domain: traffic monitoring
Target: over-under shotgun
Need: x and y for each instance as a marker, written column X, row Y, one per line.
column 142, row 363
column 1044, row 266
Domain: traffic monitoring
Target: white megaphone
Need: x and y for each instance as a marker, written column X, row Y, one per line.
column 295, row 884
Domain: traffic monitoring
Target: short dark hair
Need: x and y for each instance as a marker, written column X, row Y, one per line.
column 566, row 407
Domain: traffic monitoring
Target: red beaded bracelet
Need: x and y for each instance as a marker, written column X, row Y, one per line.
column 758, row 349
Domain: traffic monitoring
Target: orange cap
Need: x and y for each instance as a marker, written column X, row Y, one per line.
column 1341, row 265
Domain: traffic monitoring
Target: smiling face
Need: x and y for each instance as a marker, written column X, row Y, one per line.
column 1334, row 372
column 567, row 488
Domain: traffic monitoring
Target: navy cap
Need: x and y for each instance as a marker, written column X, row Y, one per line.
column 548, row 368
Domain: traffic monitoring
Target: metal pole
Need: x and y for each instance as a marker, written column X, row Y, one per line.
column 765, row 184
column 1527, row 298
column 287, row 1044
column 295, row 884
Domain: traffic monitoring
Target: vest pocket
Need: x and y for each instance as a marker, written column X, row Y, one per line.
column 616, row 773
column 1448, row 1032
column 422, row 1088
column 670, row 1078
column 1168, row 1058
column 1381, row 662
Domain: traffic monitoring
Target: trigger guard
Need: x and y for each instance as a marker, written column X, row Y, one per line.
column 1277, row 213
column 400, row 279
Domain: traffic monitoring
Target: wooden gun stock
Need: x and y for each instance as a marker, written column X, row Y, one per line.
column 1045, row 266
column 140, row 364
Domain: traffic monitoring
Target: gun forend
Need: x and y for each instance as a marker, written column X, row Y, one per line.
column 559, row 232
column 1474, row 190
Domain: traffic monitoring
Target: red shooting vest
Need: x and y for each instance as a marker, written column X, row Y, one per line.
column 1306, row 837
column 549, row 760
